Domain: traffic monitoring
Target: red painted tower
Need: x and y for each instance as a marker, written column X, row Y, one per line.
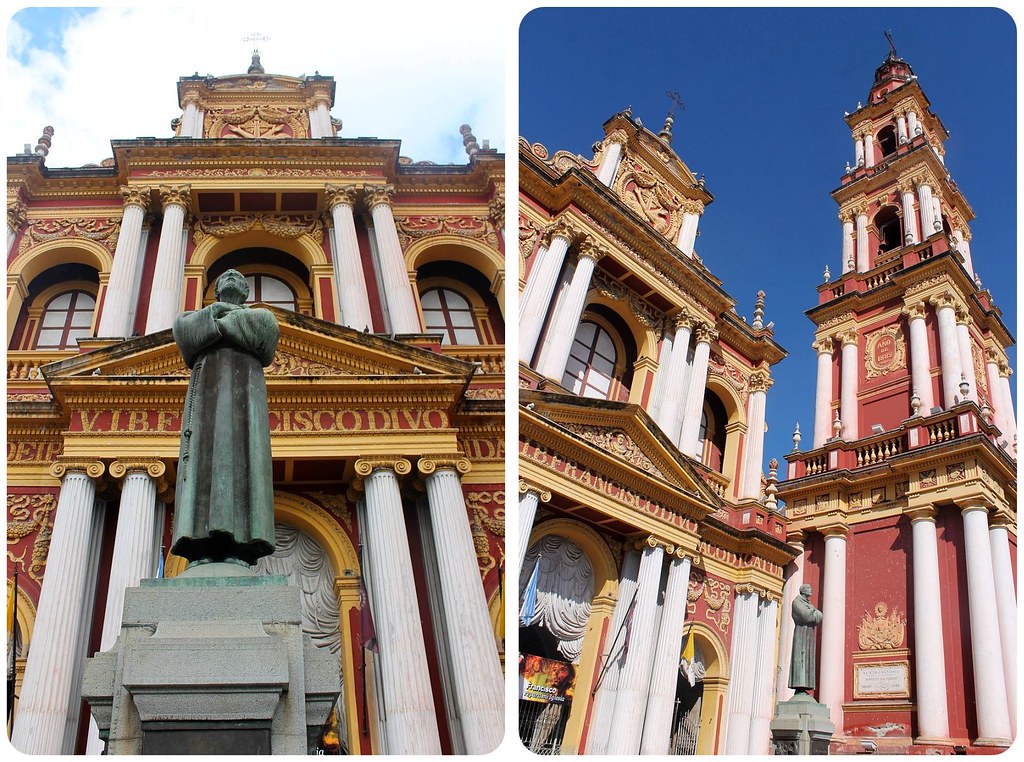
column 904, row 507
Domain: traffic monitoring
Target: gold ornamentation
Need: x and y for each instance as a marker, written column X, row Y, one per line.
column 883, row 631
column 944, row 299
column 280, row 225
column 341, row 194
column 93, row 468
column 885, row 351
column 542, row 494
column 760, row 381
column 155, row 469
column 717, row 596
column 431, row 463
column 915, row 310
column 139, row 195
column 336, row 505
column 955, row 472
column 591, row 249
column 16, row 211
column 103, row 231
column 649, row 196
column 27, row 514
column 379, row 194
column 619, row 444
column 928, row 478
column 705, row 332
column 259, row 121
column 412, row 228
column 178, row 195
column 366, row 466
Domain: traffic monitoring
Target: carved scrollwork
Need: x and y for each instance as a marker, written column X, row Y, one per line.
column 429, row 464
column 366, row 466
column 883, row 631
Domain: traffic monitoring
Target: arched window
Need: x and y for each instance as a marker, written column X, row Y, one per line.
column 270, row 290
column 890, row 229
column 887, row 140
column 66, row 319
column 449, row 313
column 712, row 434
column 592, row 359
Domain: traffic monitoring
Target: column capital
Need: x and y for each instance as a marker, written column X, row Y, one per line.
column 366, row 466
column 91, row 468
column 921, row 513
column 340, row 194
column 846, row 215
column 994, row 356
column 859, row 210
column 123, row 466
column 905, row 185
column 16, row 213
column 760, row 380
column 683, row 319
column 705, row 333
column 496, row 207
column 652, row 542
column 591, row 249
column 560, row 228
column 838, row 529
column 977, row 503
column 692, row 206
column 430, row 464
column 823, row 345
column 847, row 337
column 944, row 299
column 542, row 494
column 915, row 310
column 963, row 316
column 136, row 195
column 379, row 194
column 176, row 195
column 796, row 537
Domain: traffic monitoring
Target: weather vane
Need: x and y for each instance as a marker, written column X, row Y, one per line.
column 892, row 48
column 256, row 38
column 676, row 101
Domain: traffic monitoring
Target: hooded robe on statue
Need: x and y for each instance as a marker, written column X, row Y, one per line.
column 224, row 498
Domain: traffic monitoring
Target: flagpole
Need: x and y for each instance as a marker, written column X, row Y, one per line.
column 611, row 648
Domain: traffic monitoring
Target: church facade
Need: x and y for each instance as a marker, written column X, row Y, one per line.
column 386, row 407
column 652, row 550
column 904, row 508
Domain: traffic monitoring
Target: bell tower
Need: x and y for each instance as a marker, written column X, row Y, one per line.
column 904, row 507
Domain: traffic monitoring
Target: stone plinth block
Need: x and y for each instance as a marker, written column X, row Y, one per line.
column 211, row 664
column 801, row 726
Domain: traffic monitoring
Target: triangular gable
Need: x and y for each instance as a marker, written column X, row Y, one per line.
column 308, row 347
column 624, row 431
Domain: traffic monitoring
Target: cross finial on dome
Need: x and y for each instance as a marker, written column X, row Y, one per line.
column 666, row 131
column 256, row 67
column 892, row 48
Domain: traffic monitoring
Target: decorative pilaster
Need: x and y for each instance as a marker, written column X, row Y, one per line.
column 823, row 391
column 349, row 279
column 411, row 726
column 673, row 388
column 536, row 298
column 122, row 288
column 849, row 369
column 394, row 274
column 949, row 346
column 986, row 648
column 477, row 676
column 530, row 497
column 920, row 363
column 753, row 447
column 50, row 693
column 634, row 680
column 832, row 682
column 697, row 381
column 165, row 299
column 1006, row 604
column 554, row 353
column 661, row 695
column 929, row 652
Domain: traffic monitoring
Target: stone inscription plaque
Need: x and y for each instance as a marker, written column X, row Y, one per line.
column 882, row 680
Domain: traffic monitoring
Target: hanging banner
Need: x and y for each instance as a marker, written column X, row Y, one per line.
column 548, row 681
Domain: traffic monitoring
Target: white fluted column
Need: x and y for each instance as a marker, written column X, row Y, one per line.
column 692, row 210
column 832, row 675
column 849, row 368
column 742, row 654
column 394, row 274
column 530, row 498
column 759, row 741
column 613, row 657
column 320, row 121
column 929, row 651
column 949, row 347
column 349, row 279
column 995, row 391
column 634, row 679
column 823, row 391
column 912, row 124
column 134, row 557
column 926, row 207
column 849, row 262
column 963, row 338
column 540, row 286
column 1006, row 606
column 665, row 673
column 1007, row 403
column 673, row 389
column 920, row 362
column 50, row 693
column 121, row 288
column 477, row 676
column 554, row 352
column 863, row 255
column 869, row 150
column 986, row 648
column 411, row 725
column 858, row 149
column 794, row 577
column 654, row 402
column 609, row 162
column 697, row 381
column 165, row 295
column 910, row 233
column 964, row 247
column 901, row 128
column 753, row 444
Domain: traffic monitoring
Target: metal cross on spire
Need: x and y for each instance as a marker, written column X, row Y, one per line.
column 892, row 48
column 676, row 101
column 256, row 38
column 666, row 131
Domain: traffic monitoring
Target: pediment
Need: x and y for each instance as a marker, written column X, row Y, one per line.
column 308, row 348
column 624, row 432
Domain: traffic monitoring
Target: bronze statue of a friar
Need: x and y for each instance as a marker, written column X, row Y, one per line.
column 224, row 499
column 802, row 673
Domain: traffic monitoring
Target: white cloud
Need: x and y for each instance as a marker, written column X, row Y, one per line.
column 415, row 74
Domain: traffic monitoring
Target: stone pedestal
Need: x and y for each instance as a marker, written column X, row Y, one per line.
column 801, row 726
column 209, row 664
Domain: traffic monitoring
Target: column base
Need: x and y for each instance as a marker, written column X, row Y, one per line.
column 933, row 741
column 997, row 742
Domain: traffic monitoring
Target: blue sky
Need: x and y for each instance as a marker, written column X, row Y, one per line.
column 765, row 91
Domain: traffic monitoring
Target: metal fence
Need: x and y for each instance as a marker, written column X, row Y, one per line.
column 542, row 726
column 685, row 725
